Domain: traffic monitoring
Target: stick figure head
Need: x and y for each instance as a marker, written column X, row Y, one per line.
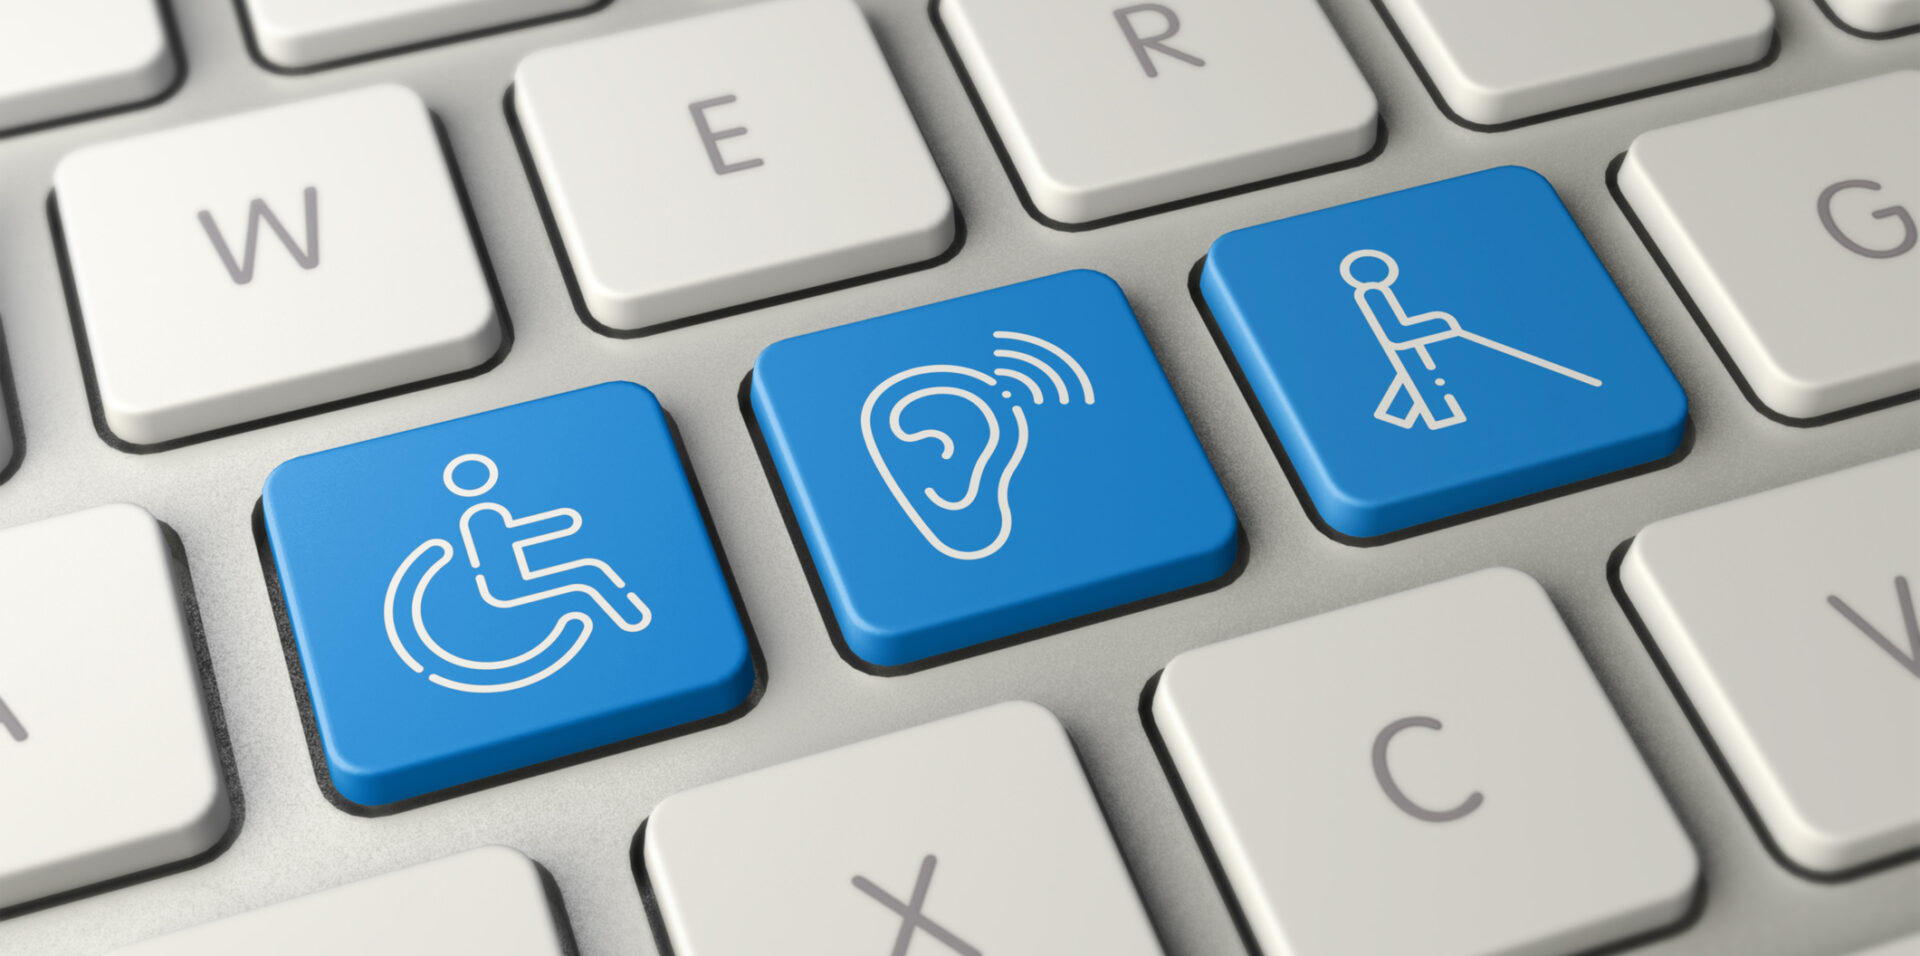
column 1347, row 264
column 470, row 489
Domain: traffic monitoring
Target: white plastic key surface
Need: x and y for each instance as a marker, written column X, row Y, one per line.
column 491, row 901
column 1165, row 100
column 972, row 835
column 306, row 33
column 1877, row 16
column 1789, row 619
column 1434, row 772
column 72, row 57
column 107, row 763
column 1795, row 227
column 201, row 312
column 1500, row 61
column 730, row 157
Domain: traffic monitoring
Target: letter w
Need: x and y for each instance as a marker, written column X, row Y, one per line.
column 242, row 271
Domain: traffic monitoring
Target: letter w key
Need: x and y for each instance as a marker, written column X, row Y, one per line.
column 242, row 271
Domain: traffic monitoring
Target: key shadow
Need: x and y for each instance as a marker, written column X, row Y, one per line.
column 217, row 729
column 13, row 421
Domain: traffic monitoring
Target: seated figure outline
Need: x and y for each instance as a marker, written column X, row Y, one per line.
column 560, row 523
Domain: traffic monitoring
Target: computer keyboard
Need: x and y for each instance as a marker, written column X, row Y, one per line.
column 1197, row 477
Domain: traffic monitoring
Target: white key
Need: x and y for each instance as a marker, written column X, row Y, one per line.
column 1877, row 16
column 1792, row 226
column 1500, row 61
column 1788, row 618
column 730, row 157
column 1167, row 100
column 73, row 57
column 266, row 263
column 107, row 763
column 970, row 835
column 1434, row 772
column 491, row 901
column 302, row 34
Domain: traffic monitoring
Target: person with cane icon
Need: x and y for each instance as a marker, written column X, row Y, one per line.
column 1426, row 328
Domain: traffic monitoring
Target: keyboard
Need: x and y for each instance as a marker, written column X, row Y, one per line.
column 974, row 477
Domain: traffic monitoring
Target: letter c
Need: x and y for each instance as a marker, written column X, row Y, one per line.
column 1824, row 206
column 1399, row 797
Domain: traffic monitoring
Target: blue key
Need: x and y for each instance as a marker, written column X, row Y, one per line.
column 977, row 468
column 1441, row 349
column 494, row 592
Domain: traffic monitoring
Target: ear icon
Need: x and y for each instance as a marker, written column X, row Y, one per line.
column 948, row 439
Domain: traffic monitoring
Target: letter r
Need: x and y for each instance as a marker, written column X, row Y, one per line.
column 1170, row 25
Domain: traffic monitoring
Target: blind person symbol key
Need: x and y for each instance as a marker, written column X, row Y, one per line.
column 1399, row 333
column 505, row 580
column 1428, row 353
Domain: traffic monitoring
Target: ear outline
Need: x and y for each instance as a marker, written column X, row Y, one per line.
column 900, row 497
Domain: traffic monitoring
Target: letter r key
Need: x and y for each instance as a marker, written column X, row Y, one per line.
column 1169, row 100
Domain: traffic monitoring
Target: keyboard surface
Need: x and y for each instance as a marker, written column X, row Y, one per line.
column 579, row 821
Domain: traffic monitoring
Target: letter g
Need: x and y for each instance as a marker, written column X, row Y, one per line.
column 1909, row 234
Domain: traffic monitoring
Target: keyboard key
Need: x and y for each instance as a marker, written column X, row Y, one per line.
column 1501, row 61
column 727, row 158
column 73, row 57
column 571, row 513
column 266, row 263
column 1440, row 349
column 304, row 34
column 1788, row 618
column 1442, row 755
column 1164, row 98
column 106, row 754
column 1876, row 16
column 970, row 835
column 486, row 902
column 1792, row 226
column 984, row 466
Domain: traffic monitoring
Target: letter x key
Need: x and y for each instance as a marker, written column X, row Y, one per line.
column 911, row 919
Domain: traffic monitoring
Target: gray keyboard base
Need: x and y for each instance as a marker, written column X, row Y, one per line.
column 580, row 821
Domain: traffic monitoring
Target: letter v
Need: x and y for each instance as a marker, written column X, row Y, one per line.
column 242, row 271
column 1911, row 657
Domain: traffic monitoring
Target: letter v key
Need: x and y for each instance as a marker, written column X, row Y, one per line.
column 1911, row 657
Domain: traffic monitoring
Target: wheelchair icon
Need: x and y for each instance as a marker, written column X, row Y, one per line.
column 588, row 577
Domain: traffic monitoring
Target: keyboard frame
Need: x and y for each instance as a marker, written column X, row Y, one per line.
column 580, row 821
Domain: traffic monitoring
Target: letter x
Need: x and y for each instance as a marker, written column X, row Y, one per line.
column 911, row 919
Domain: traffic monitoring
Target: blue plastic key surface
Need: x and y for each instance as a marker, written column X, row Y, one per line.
column 498, row 591
column 1440, row 349
column 988, row 465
